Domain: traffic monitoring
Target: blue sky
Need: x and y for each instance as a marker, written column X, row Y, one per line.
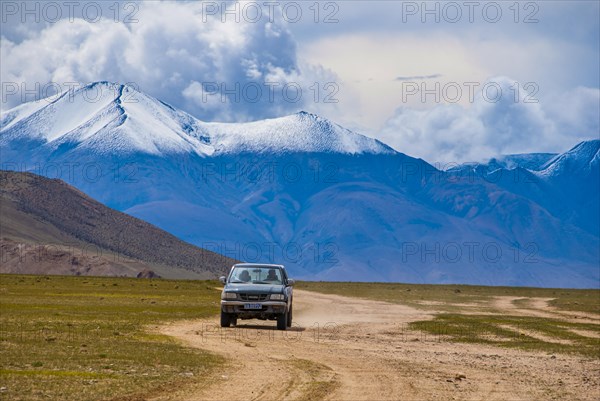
column 358, row 64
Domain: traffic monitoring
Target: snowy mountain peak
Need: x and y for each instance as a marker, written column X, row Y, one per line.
column 105, row 117
column 306, row 116
column 300, row 132
column 109, row 117
column 529, row 161
column 585, row 156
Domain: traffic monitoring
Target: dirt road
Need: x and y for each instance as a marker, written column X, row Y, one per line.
column 343, row 348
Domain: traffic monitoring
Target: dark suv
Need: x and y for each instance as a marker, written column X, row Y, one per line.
column 257, row 291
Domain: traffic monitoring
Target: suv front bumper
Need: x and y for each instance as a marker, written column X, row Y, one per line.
column 268, row 308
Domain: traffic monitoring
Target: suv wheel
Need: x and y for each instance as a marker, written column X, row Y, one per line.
column 225, row 319
column 282, row 321
column 289, row 319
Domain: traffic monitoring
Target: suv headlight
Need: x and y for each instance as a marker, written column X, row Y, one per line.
column 228, row 295
column 277, row 297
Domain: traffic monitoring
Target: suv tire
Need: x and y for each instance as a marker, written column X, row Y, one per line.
column 289, row 319
column 282, row 321
column 225, row 319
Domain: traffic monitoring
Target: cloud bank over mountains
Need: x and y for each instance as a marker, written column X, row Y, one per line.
column 507, row 120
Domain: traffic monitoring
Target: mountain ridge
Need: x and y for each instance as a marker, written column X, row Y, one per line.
column 341, row 214
column 117, row 109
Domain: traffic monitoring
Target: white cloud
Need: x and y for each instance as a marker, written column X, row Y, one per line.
column 499, row 125
column 171, row 53
column 369, row 64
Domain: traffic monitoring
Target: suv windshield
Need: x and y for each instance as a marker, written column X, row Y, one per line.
column 256, row 275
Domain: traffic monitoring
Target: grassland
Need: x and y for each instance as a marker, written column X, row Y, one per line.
column 83, row 338
column 421, row 294
column 470, row 314
column 67, row 338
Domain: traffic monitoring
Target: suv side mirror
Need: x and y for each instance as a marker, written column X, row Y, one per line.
column 291, row 282
column 222, row 279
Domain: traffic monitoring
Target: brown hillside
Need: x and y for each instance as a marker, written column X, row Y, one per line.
column 47, row 226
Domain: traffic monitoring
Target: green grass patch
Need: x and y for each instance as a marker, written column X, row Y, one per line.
column 58, row 373
column 444, row 297
column 523, row 332
column 578, row 300
column 484, row 323
column 89, row 338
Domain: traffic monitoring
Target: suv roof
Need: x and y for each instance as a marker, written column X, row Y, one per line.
column 258, row 265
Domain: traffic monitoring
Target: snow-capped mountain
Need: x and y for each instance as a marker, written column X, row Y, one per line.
column 567, row 184
column 105, row 118
column 111, row 118
column 583, row 158
column 301, row 190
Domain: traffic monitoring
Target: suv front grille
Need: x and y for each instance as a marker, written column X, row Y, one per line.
column 253, row 297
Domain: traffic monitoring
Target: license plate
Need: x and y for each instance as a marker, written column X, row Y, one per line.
column 252, row 306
